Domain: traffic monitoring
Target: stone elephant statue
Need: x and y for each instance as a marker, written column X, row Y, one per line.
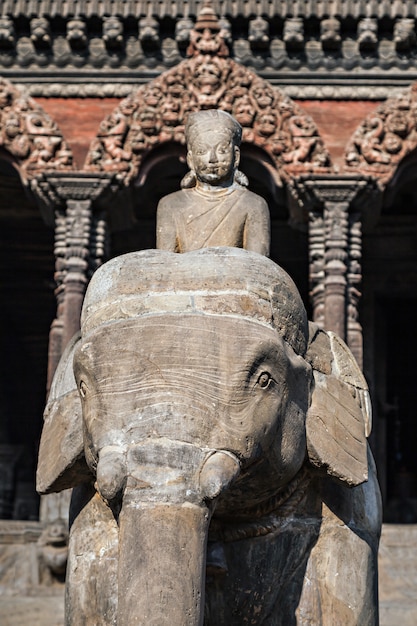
column 216, row 443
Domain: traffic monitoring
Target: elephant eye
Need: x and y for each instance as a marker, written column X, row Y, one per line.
column 264, row 380
column 83, row 389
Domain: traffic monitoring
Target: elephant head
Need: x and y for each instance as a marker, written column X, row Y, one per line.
column 199, row 388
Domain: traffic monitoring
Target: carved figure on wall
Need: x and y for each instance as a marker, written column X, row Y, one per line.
column 207, row 36
column 226, row 30
column 113, row 33
column 183, row 28
column 214, row 208
column 40, row 32
column 303, row 132
column 204, row 407
column 258, row 33
column 330, row 34
column 293, row 33
column 404, row 34
column 7, row 34
column 367, row 36
column 77, row 34
column 148, row 32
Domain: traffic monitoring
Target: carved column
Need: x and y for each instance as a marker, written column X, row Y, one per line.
column 335, row 217
column 80, row 237
column 77, row 253
column 316, row 235
column 55, row 333
column 335, row 252
column 354, row 280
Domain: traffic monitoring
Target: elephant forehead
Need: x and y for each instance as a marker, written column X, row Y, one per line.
column 191, row 342
column 192, row 378
column 225, row 281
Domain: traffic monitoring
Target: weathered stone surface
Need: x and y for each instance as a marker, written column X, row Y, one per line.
column 195, row 387
column 397, row 584
column 213, row 208
column 398, row 575
column 32, row 611
column 61, row 455
column 30, row 595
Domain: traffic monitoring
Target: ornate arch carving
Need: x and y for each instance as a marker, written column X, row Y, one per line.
column 156, row 112
column 29, row 135
column 385, row 138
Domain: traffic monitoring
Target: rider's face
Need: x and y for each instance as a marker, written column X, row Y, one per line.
column 214, row 157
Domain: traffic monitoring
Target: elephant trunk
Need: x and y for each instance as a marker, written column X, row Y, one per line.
column 162, row 564
column 163, row 526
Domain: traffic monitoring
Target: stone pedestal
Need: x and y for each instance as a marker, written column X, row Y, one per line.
column 397, row 564
column 25, row 602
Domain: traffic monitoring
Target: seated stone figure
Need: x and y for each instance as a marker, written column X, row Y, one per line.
column 214, row 208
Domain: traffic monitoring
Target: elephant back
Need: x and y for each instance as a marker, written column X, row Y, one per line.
column 223, row 281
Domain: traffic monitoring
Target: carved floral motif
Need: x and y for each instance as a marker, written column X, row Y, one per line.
column 386, row 136
column 29, row 134
column 209, row 79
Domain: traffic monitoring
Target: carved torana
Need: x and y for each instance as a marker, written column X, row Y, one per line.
column 386, row 136
column 29, row 135
column 209, row 79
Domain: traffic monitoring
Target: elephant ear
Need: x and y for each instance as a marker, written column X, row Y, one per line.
column 339, row 415
column 61, row 462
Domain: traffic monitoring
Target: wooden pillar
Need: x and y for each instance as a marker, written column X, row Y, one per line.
column 78, row 223
column 335, row 251
column 80, row 236
column 335, row 266
column 316, row 237
column 354, row 281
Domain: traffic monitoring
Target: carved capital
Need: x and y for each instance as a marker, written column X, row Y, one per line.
column 53, row 189
column 314, row 192
column 76, row 185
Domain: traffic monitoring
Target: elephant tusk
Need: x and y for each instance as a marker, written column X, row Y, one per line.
column 219, row 471
column 111, row 472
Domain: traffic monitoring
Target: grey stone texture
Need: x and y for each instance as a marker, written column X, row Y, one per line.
column 195, row 372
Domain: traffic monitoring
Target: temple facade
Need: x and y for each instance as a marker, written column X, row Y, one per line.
column 93, row 99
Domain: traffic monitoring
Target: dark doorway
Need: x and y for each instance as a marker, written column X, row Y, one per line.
column 399, row 315
column 27, row 309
